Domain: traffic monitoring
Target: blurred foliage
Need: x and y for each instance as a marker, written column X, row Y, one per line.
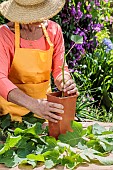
column 93, row 69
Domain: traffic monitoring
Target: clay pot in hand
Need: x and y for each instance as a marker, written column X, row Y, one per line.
column 69, row 103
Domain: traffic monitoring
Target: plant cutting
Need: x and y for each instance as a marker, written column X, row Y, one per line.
column 68, row 101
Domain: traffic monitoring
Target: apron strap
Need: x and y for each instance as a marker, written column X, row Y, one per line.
column 17, row 35
column 46, row 35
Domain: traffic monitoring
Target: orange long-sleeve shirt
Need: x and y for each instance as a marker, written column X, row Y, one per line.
column 7, row 48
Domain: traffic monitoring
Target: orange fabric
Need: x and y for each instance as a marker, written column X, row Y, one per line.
column 30, row 72
column 7, row 53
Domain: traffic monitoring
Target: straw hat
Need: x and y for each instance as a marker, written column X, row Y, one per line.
column 29, row 11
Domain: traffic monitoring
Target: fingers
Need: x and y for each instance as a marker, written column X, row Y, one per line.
column 56, row 105
column 50, row 119
column 56, row 108
column 52, row 110
column 48, row 110
column 54, row 116
column 70, row 87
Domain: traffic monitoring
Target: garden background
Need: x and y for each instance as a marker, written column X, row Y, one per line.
column 90, row 63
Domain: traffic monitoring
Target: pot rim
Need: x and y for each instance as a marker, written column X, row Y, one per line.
column 70, row 96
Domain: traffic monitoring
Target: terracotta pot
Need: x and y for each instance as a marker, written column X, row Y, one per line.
column 69, row 103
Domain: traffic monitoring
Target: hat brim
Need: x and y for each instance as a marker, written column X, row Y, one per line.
column 29, row 14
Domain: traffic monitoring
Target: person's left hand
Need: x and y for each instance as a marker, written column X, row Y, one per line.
column 70, row 87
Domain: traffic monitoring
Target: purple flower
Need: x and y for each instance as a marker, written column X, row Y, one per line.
column 97, row 27
column 88, row 16
column 88, row 7
column 77, row 19
column 66, row 20
column 72, row 10
column 79, row 46
column 79, row 5
column 84, row 35
column 77, row 31
column 71, row 70
column 97, row 3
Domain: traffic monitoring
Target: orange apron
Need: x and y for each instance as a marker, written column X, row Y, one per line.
column 30, row 72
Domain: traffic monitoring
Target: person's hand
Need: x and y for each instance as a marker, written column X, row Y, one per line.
column 47, row 110
column 69, row 87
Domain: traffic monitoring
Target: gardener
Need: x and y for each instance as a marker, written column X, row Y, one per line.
column 31, row 47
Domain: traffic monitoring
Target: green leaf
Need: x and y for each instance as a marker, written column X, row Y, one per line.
column 10, row 159
column 33, row 163
column 72, row 138
column 36, row 157
column 51, row 143
column 5, row 121
column 106, row 141
column 51, row 158
column 105, row 160
column 10, row 142
column 69, row 162
column 23, row 152
column 7, row 156
column 94, row 155
column 9, row 162
column 18, row 131
column 34, row 130
column 108, row 147
column 49, row 164
column 23, row 142
column 77, row 39
column 82, row 145
column 31, row 119
column 40, row 149
column 25, row 161
column 97, row 129
column 84, row 157
column 95, row 144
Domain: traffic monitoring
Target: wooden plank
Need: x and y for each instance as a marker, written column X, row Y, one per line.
column 106, row 125
column 42, row 167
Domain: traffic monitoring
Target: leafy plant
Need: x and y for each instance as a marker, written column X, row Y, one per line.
column 88, row 110
column 96, row 73
column 31, row 145
column 79, row 17
column 92, row 20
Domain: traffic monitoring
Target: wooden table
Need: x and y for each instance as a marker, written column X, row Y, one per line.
column 82, row 167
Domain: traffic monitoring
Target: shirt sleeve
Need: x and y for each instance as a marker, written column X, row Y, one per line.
column 58, row 55
column 5, row 84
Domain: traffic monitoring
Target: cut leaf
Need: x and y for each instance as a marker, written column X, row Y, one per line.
column 10, row 142
column 77, row 39
column 72, row 138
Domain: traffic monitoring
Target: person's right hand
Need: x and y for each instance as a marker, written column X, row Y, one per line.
column 41, row 108
column 48, row 110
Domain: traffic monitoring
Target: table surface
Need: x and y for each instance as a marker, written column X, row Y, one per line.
column 82, row 167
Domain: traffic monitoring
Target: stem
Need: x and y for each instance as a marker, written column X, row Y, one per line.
column 63, row 79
